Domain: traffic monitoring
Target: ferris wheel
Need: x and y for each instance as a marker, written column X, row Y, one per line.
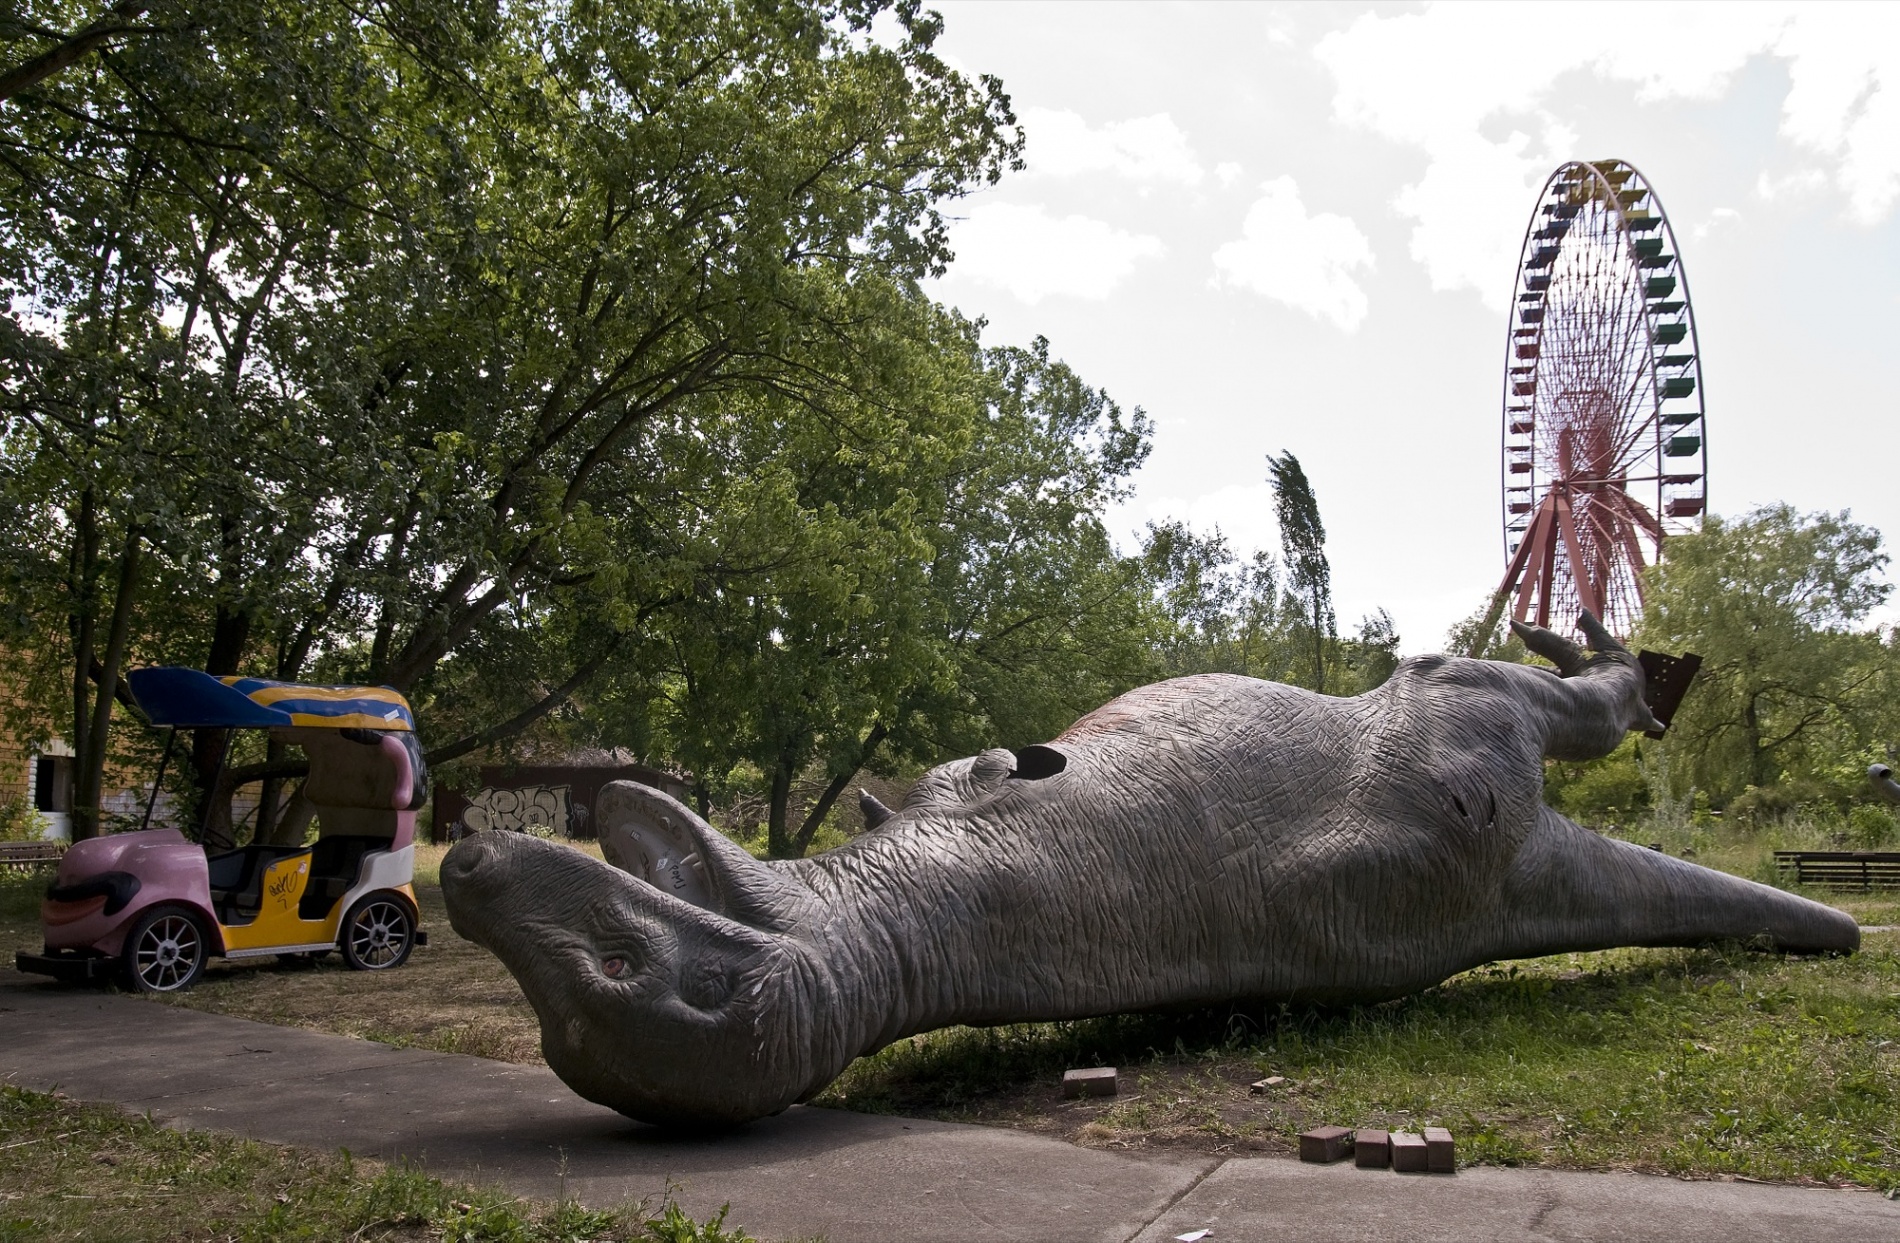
column 1605, row 447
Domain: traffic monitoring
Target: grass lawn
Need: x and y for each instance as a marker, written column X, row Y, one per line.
column 84, row 1172
column 1700, row 1063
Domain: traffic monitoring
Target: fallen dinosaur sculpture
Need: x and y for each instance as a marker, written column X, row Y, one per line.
column 1198, row 841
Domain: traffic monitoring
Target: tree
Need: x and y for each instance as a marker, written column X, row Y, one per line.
column 906, row 583
column 1303, row 541
column 173, row 225
column 1480, row 637
column 1216, row 612
column 375, row 339
column 67, row 48
column 1787, row 685
column 1220, row 614
column 1369, row 657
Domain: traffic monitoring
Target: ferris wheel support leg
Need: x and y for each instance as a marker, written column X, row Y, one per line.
column 1538, row 562
column 1501, row 598
column 1587, row 587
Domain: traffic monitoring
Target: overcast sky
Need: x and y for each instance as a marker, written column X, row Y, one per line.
column 1295, row 228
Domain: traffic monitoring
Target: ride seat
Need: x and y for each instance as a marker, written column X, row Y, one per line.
column 237, row 879
column 335, row 864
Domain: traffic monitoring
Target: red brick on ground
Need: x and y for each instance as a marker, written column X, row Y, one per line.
column 1408, row 1152
column 1324, row 1144
column 1097, row 1081
column 1441, row 1157
column 1372, row 1148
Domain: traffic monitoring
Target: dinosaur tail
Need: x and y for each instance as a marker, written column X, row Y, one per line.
column 1573, row 890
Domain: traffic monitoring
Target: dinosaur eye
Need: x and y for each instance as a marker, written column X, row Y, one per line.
column 614, row 968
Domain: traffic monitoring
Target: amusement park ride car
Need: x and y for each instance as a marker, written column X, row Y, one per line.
column 151, row 907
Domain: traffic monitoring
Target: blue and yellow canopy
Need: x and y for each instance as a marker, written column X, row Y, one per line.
column 191, row 697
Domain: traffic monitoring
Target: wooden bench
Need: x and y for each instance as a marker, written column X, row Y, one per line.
column 25, row 856
column 1841, row 869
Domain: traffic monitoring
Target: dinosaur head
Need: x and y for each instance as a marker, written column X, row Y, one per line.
column 670, row 983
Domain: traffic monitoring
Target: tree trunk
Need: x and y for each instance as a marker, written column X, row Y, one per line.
column 230, row 633
column 81, row 589
column 87, row 818
column 295, row 823
column 809, row 829
column 777, row 844
column 1319, row 644
column 1759, row 761
column 269, row 794
column 46, row 64
column 212, row 812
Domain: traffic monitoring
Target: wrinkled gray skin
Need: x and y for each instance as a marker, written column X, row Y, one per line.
column 1209, row 839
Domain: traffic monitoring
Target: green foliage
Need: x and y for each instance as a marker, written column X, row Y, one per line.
column 450, row 349
column 1787, row 687
column 20, row 896
column 1872, row 827
column 1498, row 643
column 934, row 578
column 1215, row 613
column 673, row 1225
column 1609, row 790
column 19, row 822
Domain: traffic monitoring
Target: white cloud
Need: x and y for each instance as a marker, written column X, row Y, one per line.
column 1150, row 149
column 1242, row 511
column 1719, row 218
column 1303, row 261
column 1844, row 98
column 1467, row 84
column 1227, row 173
column 1033, row 255
column 1797, row 184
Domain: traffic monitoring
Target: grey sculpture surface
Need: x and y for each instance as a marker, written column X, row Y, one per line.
column 1203, row 840
column 1882, row 778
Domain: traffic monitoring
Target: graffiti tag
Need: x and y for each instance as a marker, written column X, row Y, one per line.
column 282, row 884
column 541, row 810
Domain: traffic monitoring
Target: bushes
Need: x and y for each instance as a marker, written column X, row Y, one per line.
column 19, row 822
column 1601, row 792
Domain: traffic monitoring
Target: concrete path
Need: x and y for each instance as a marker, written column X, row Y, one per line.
column 818, row 1172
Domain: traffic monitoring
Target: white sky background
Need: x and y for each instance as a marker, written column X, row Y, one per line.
column 1296, row 228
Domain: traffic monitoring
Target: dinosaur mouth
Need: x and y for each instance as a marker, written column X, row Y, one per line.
column 650, row 1005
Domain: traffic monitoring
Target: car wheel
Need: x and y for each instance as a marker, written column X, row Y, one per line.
column 378, row 933
column 166, row 951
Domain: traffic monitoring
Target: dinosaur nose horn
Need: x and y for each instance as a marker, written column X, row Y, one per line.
column 476, row 856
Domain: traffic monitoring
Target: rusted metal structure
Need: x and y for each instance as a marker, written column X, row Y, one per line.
column 1605, row 450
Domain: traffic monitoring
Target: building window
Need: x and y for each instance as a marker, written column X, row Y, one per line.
column 52, row 783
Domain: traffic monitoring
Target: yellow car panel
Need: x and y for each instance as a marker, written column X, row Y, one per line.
column 278, row 923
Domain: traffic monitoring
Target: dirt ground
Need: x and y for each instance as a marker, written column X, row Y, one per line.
column 451, row 995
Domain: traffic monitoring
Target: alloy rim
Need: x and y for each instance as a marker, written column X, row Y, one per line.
column 167, row 954
column 379, row 933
